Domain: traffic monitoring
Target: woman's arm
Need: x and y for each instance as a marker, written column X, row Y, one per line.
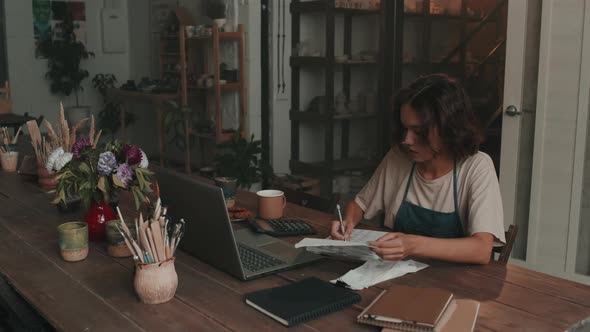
column 473, row 249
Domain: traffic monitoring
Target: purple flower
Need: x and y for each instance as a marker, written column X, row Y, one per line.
column 124, row 174
column 106, row 163
column 132, row 153
column 79, row 146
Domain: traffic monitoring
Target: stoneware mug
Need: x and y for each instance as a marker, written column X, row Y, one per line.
column 116, row 246
column 228, row 185
column 73, row 241
column 271, row 204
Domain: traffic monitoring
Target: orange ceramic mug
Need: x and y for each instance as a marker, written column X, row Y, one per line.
column 271, row 204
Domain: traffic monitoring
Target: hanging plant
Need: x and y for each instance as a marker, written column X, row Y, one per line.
column 64, row 55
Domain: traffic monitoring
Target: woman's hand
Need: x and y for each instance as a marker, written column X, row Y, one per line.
column 393, row 246
column 336, row 231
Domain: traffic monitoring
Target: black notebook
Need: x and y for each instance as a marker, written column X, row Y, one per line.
column 301, row 301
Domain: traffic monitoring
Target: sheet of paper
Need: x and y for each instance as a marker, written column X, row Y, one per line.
column 375, row 271
column 355, row 249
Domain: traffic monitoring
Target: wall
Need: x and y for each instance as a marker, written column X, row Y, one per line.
column 30, row 89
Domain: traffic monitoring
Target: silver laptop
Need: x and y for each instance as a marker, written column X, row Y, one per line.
column 209, row 234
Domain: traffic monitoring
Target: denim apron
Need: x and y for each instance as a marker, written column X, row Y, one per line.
column 414, row 219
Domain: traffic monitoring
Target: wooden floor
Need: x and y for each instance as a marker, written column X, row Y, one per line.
column 97, row 294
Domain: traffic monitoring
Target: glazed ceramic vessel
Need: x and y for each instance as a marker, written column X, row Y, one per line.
column 156, row 282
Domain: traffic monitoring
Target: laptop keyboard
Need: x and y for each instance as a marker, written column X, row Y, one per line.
column 254, row 260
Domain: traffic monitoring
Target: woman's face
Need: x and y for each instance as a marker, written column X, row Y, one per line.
column 421, row 142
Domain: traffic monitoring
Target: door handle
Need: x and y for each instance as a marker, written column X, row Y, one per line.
column 512, row 111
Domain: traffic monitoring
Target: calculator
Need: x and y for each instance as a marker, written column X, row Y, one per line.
column 281, row 227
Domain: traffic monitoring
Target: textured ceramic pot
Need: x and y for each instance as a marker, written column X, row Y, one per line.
column 116, row 246
column 47, row 181
column 229, row 186
column 9, row 161
column 156, row 282
column 73, row 241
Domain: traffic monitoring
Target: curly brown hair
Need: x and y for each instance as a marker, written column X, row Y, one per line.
column 441, row 102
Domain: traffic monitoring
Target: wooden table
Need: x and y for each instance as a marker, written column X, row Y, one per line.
column 97, row 294
column 158, row 99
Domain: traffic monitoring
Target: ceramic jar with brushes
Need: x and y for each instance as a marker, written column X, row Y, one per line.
column 153, row 252
column 8, row 151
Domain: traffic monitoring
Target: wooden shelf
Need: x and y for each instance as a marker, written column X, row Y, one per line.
column 230, row 35
column 441, row 17
column 299, row 61
column 319, row 6
column 337, row 166
column 224, row 87
column 312, row 116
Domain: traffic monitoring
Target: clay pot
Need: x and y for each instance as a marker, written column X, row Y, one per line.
column 156, row 282
column 9, row 160
column 47, row 181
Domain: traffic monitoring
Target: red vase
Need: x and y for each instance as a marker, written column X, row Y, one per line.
column 96, row 217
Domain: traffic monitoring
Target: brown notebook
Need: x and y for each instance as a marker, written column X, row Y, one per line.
column 461, row 318
column 400, row 306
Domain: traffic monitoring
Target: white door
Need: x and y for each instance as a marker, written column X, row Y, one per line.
column 518, row 118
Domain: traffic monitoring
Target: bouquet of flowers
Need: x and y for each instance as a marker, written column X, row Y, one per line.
column 99, row 172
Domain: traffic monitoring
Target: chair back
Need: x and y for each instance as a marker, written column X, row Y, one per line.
column 311, row 201
column 505, row 250
column 5, row 101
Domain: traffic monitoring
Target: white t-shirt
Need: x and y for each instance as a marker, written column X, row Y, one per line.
column 479, row 200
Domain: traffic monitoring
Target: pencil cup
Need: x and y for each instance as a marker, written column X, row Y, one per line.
column 9, row 160
column 73, row 240
column 155, row 282
column 228, row 185
column 116, row 246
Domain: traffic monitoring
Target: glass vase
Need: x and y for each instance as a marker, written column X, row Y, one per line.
column 96, row 217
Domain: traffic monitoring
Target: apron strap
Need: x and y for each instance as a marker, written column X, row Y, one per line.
column 409, row 181
column 455, row 193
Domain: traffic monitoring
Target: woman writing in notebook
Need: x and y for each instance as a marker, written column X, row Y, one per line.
column 440, row 194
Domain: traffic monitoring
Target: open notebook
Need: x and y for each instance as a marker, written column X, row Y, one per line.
column 356, row 249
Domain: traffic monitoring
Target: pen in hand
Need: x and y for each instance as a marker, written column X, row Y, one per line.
column 342, row 229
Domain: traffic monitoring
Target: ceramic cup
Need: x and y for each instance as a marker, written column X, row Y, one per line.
column 116, row 246
column 271, row 204
column 73, row 240
column 9, row 161
column 156, row 282
column 229, row 186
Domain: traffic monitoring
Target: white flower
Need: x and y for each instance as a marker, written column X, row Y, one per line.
column 62, row 160
column 144, row 160
column 57, row 160
column 53, row 156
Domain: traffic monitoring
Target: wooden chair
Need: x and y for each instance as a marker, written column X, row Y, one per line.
column 5, row 101
column 505, row 250
column 311, row 201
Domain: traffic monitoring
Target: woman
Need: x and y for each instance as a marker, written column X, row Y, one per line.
column 440, row 194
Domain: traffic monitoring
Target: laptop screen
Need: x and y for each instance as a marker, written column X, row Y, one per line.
column 208, row 232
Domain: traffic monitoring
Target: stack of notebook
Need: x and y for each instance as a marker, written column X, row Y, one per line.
column 402, row 308
column 301, row 301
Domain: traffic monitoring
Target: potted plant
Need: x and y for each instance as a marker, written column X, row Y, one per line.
column 109, row 118
column 215, row 10
column 240, row 158
column 64, row 55
column 174, row 124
